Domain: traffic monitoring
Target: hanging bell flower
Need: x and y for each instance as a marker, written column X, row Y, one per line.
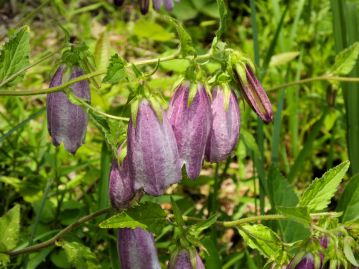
column 144, row 6
column 306, row 262
column 136, row 249
column 67, row 122
column 118, row 2
column 121, row 185
column 191, row 122
column 253, row 92
column 224, row 133
column 167, row 3
column 153, row 158
column 182, row 260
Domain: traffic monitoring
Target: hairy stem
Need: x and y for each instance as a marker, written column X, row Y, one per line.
column 309, row 80
column 226, row 224
column 59, row 235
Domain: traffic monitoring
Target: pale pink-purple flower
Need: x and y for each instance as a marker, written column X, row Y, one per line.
column 121, row 185
column 67, row 122
column 136, row 249
column 153, row 158
column 224, row 133
column 253, row 92
column 191, row 124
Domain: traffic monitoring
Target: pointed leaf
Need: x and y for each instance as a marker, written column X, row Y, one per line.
column 317, row 196
column 116, row 70
column 345, row 60
column 10, row 228
column 148, row 216
column 14, row 56
column 263, row 239
column 297, row 214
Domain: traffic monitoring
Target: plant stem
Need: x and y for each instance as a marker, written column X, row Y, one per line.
column 59, row 235
column 309, row 80
column 226, row 224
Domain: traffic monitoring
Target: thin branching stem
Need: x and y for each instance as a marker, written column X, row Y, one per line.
column 226, row 224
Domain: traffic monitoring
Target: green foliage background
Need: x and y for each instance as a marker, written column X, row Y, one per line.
column 46, row 189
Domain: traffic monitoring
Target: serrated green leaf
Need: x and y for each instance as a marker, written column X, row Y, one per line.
column 10, row 228
column 345, row 60
column 148, row 216
column 80, row 256
column 116, row 70
column 283, row 58
column 297, row 214
column 263, row 239
column 102, row 51
column 349, row 201
column 223, row 14
column 14, row 56
column 184, row 37
column 317, row 196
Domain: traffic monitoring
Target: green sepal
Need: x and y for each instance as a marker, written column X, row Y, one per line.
column 134, row 110
column 192, row 93
column 156, row 106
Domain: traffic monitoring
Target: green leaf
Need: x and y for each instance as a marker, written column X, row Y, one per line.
column 349, row 201
column 203, row 225
column 116, row 70
column 10, row 228
column 114, row 131
column 184, row 37
column 348, row 251
column 80, row 256
column 147, row 29
column 297, row 214
column 263, row 239
column 317, row 196
column 14, row 56
column 223, row 14
column 283, row 58
column 177, row 213
column 148, row 216
column 345, row 60
column 4, row 259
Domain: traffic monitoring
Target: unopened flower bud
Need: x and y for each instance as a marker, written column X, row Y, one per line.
column 67, row 122
column 144, row 5
column 225, row 126
column 121, row 185
column 191, row 123
column 182, row 260
column 253, row 92
column 136, row 249
column 153, row 158
column 118, row 2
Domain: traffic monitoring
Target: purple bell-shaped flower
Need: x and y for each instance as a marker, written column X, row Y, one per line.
column 67, row 122
column 191, row 124
column 224, row 133
column 121, row 185
column 153, row 158
column 253, row 92
column 167, row 3
column 136, row 249
column 182, row 260
column 144, row 5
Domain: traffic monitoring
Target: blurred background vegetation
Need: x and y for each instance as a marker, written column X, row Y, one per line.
column 287, row 40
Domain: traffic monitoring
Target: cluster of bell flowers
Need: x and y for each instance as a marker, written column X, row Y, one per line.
column 145, row 4
column 194, row 128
